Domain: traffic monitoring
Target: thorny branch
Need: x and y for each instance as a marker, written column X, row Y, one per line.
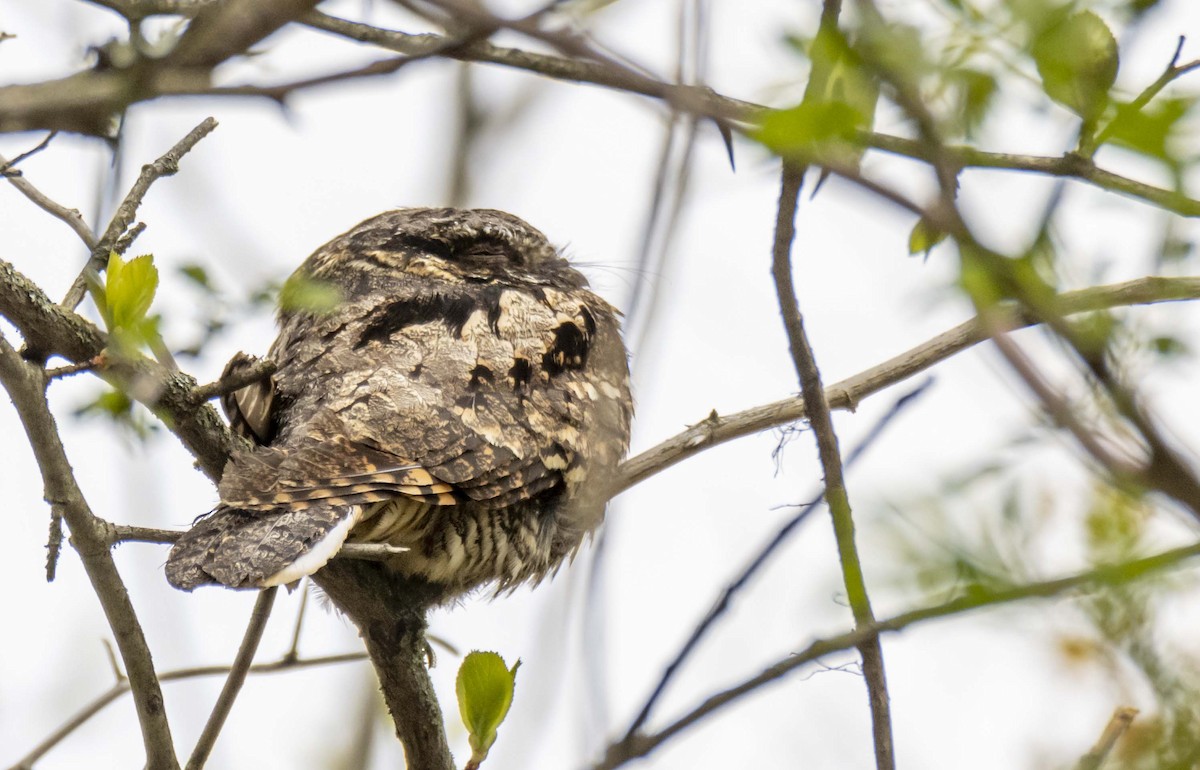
column 821, row 421
column 740, row 114
column 58, row 104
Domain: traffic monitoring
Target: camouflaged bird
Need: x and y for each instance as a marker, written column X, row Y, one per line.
column 465, row 399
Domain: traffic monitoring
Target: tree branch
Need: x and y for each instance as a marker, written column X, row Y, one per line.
column 1121, row 719
column 220, row 31
column 760, row 560
column 848, row 393
column 389, row 611
column 264, row 367
column 1068, row 166
column 1108, row 575
column 739, row 114
column 125, row 533
column 821, row 421
column 136, row 10
column 167, row 165
column 49, row 329
column 1173, row 72
column 85, row 101
column 71, row 217
column 25, row 383
column 693, row 99
column 122, row 686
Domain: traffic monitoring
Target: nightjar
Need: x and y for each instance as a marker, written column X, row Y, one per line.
column 464, row 396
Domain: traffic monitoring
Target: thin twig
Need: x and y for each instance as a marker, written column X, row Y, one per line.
column 666, row 200
column 71, row 217
column 220, row 31
column 1121, row 719
column 1173, row 72
column 848, row 393
column 819, row 417
column 54, row 541
column 237, row 677
column 1060, row 410
column 136, row 10
column 702, row 100
column 111, row 656
column 738, row 113
column 471, row 119
column 281, row 91
column 234, row 380
column 669, row 191
column 1124, row 573
column 71, row 369
column 127, row 533
column 1069, row 166
column 122, row 686
column 167, row 165
column 6, row 168
column 293, row 652
column 761, row 558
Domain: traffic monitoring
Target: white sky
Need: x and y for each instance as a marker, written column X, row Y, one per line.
column 267, row 187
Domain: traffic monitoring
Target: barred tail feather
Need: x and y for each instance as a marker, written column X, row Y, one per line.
column 257, row 549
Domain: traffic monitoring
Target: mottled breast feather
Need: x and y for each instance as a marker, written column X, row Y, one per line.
column 467, row 399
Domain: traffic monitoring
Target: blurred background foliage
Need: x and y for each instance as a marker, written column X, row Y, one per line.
column 1042, row 80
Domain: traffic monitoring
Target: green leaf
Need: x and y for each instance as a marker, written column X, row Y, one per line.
column 1077, row 58
column 1094, row 332
column 839, row 102
column 129, row 289
column 976, row 93
column 117, row 406
column 198, row 276
column 1170, row 347
column 1151, row 130
column 485, row 692
column 897, row 48
column 808, row 127
column 924, row 237
column 124, row 296
column 1139, row 7
column 112, row 403
column 300, row 293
